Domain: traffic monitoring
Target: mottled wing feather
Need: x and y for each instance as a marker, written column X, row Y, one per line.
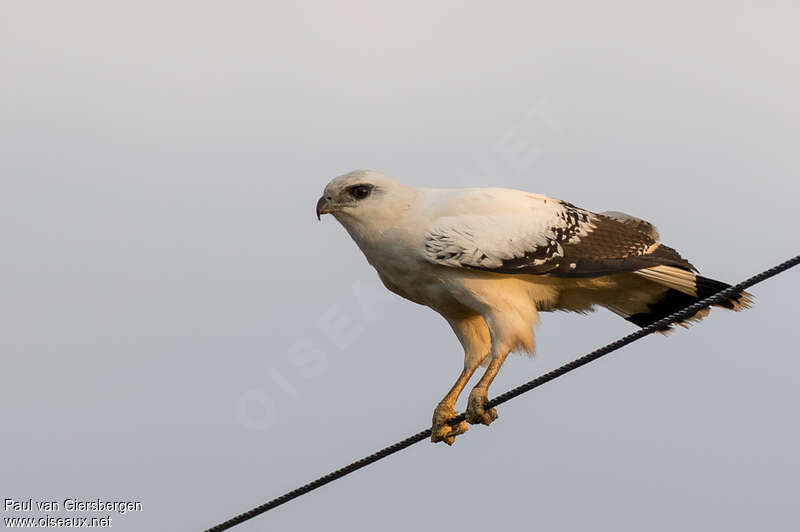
column 557, row 239
column 641, row 225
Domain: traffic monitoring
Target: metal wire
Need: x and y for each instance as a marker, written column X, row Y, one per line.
column 519, row 390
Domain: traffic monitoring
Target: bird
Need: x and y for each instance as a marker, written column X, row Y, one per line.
column 489, row 260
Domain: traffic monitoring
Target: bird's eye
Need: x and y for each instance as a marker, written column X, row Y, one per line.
column 360, row 192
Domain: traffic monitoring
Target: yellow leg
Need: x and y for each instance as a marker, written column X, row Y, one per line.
column 473, row 333
column 445, row 410
column 476, row 413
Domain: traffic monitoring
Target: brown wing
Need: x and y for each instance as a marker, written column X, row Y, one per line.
column 592, row 245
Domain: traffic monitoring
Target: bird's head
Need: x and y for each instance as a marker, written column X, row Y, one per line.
column 362, row 197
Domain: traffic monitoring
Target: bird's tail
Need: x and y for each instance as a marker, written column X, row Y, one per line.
column 684, row 289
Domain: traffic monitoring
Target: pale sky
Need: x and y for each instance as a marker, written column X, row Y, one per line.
column 178, row 329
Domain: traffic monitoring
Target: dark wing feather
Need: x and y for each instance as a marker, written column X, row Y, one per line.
column 578, row 243
column 614, row 247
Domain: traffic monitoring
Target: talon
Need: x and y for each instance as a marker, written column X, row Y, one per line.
column 448, row 434
column 441, row 431
column 476, row 413
column 459, row 430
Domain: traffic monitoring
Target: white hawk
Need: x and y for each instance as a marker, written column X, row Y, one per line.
column 489, row 260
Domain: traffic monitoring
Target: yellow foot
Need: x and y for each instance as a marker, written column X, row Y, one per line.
column 441, row 431
column 476, row 413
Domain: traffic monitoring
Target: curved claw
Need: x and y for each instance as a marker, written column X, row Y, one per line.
column 476, row 413
column 441, row 430
column 447, row 433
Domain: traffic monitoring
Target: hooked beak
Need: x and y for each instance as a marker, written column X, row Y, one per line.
column 322, row 207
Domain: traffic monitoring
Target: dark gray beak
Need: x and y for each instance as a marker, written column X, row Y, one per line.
column 322, row 207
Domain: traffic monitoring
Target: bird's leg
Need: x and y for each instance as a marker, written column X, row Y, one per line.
column 473, row 333
column 445, row 410
column 476, row 413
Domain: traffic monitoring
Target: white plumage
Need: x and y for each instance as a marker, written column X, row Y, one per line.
column 489, row 260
